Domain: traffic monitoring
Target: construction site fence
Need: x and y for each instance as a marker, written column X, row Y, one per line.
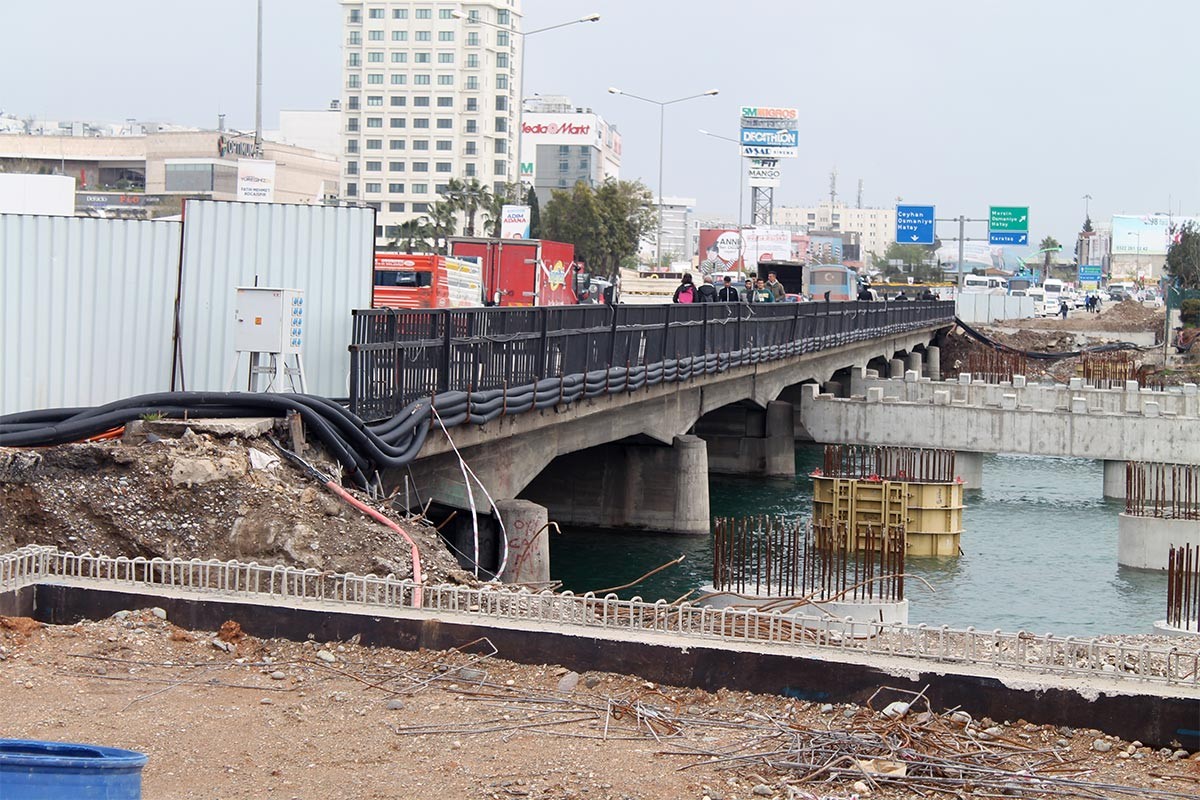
column 1169, row 491
column 1030, row 653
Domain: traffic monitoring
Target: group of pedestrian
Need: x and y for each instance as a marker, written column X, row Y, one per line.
column 755, row 290
column 1091, row 304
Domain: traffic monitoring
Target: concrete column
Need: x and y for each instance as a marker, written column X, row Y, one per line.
column 914, row 363
column 1144, row 542
column 969, row 467
column 1114, row 479
column 832, row 387
column 780, row 445
column 528, row 541
column 691, row 485
column 896, row 368
column 933, row 361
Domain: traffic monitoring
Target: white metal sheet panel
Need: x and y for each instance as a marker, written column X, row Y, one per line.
column 326, row 251
column 87, row 309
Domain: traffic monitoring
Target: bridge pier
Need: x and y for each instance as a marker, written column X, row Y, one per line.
column 1114, row 480
column 629, row 486
column 528, row 535
column 745, row 440
column 969, row 467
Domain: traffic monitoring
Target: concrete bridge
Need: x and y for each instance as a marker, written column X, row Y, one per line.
column 1113, row 425
column 641, row 459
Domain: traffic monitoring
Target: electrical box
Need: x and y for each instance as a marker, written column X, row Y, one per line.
column 268, row 320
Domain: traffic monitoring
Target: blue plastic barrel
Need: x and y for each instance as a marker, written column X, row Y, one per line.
column 34, row 770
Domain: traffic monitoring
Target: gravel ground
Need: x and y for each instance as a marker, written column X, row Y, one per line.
column 221, row 714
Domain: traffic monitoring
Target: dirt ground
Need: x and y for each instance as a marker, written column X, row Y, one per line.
column 1128, row 315
column 198, row 496
column 221, row 714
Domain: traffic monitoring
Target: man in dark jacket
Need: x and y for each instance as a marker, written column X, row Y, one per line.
column 706, row 291
column 728, row 293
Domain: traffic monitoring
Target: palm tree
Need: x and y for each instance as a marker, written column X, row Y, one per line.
column 443, row 223
column 468, row 197
column 493, row 209
column 413, row 237
column 1048, row 245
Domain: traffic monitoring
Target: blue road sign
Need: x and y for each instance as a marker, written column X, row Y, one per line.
column 1008, row 237
column 914, row 225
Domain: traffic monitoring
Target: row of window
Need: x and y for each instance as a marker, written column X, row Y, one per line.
column 502, row 15
column 421, row 57
column 419, row 79
column 473, row 38
column 499, row 146
column 419, row 101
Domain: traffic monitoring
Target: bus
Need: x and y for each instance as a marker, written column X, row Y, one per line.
column 1053, row 289
column 983, row 284
column 839, row 281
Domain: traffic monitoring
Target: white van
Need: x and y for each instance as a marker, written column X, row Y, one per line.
column 1053, row 290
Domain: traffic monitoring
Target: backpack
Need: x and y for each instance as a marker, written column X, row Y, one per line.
column 687, row 294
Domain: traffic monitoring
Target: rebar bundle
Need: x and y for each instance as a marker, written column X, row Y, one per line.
column 1183, row 588
column 994, row 366
column 1170, row 491
column 781, row 557
column 917, row 464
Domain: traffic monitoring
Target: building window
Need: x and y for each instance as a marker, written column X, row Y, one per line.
column 355, row 60
column 501, row 124
column 421, row 101
column 399, row 13
column 373, row 166
column 352, row 124
column 470, row 148
column 371, row 188
column 421, row 80
column 398, row 122
column 352, row 82
column 421, row 58
column 501, row 145
column 420, row 144
column 424, row 13
column 445, row 80
column 469, row 170
column 424, row 36
column 374, row 122
column 351, row 167
column 355, row 16
column 473, row 39
column 445, row 102
column 502, row 17
column 445, row 13
column 445, row 145
column 441, row 188
column 352, row 146
column 374, row 144
column 396, row 188
column 443, row 166
column 564, row 165
column 375, row 79
column 399, row 79
column 502, row 60
column 399, row 101
column 375, row 13
column 501, row 81
column 445, row 124
column 399, row 58
column 472, row 104
column 375, row 57
column 396, row 144
column 501, row 102
column 472, row 82
column 375, row 100
column 472, row 126
column 399, row 36
column 445, row 58
column 420, row 208
column 473, row 15
column 420, row 166
column 445, row 36
column 351, row 190
column 352, row 103
column 374, row 36
column 502, row 38
column 472, row 61
column 395, row 166
column 396, row 208
column 355, row 37
column 500, row 167
column 420, row 188
column 421, row 122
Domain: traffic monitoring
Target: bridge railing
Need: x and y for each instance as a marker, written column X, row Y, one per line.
column 399, row 356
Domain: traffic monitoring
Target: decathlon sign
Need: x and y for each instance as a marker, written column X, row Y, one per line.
column 769, row 132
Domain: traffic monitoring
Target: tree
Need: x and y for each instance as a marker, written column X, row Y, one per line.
column 915, row 257
column 469, row 197
column 574, row 216
column 605, row 224
column 413, row 236
column 1048, row 244
column 442, row 220
column 1087, row 224
column 535, row 214
column 493, row 210
column 1183, row 257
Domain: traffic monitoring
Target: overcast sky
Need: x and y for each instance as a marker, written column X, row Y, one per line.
column 961, row 103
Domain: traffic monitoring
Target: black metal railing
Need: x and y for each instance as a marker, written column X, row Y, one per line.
column 399, row 356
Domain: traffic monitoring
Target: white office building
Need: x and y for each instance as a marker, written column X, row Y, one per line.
column 562, row 144
column 429, row 94
column 676, row 231
column 876, row 227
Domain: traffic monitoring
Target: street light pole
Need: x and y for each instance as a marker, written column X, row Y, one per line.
column 662, row 115
column 521, row 76
column 741, row 180
column 258, row 140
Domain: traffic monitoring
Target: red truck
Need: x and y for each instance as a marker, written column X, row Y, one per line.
column 523, row 272
column 421, row 280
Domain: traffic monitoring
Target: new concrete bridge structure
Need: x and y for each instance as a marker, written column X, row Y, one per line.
column 640, row 459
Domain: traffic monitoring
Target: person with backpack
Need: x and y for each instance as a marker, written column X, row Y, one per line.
column 706, row 292
column 686, row 291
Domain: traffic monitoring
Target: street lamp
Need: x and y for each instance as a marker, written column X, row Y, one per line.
column 662, row 113
column 521, row 77
column 741, row 181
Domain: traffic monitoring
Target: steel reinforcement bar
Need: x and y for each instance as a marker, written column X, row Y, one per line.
column 1033, row 653
column 401, row 356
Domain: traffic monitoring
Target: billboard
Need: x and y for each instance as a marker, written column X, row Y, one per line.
column 720, row 250
column 766, row 244
column 1149, row 234
column 514, row 222
column 769, row 132
column 824, row 249
column 764, row 172
column 255, row 180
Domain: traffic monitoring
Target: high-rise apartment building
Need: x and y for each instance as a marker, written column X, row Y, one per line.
column 562, row 144
column 876, row 227
column 429, row 94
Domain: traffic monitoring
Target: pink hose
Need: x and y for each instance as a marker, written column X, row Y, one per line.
column 375, row 515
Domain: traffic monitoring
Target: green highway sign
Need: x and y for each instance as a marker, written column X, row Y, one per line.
column 1008, row 218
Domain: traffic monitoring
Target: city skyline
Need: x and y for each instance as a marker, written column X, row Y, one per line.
column 1060, row 114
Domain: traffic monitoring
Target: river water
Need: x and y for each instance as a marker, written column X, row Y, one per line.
column 1039, row 543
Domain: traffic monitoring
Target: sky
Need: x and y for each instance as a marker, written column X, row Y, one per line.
column 958, row 103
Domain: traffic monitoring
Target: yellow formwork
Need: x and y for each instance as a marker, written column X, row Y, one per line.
column 931, row 513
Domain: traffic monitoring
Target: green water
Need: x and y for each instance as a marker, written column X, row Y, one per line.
column 1039, row 543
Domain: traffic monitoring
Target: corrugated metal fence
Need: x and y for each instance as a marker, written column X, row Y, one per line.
column 89, row 303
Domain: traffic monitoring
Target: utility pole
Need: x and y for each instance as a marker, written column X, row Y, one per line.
column 258, row 141
column 962, row 240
